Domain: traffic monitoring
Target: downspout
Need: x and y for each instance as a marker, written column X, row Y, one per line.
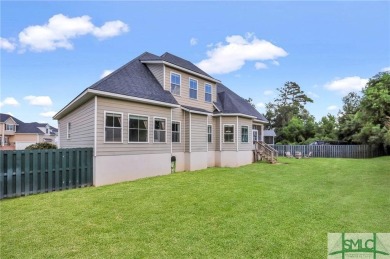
column 190, row 132
column 95, row 129
column 237, row 134
column 171, row 133
column 220, row 133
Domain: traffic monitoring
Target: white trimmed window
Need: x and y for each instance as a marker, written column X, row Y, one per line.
column 176, row 131
column 209, row 133
column 138, row 128
column 175, row 83
column 207, row 93
column 113, row 127
column 68, row 128
column 228, row 133
column 160, row 130
column 10, row 127
column 244, row 134
column 193, row 89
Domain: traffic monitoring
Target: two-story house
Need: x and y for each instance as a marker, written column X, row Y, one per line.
column 16, row 134
column 156, row 107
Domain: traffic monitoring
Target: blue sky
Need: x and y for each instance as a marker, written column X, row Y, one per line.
column 51, row 51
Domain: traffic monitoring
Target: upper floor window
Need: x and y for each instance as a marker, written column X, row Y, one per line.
column 10, row 127
column 175, row 131
column 160, row 130
column 193, row 89
column 138, row 128
column 228, row 133
column 68, row 128
column 113, row 127
column 244, row 134
column 175, row 84
column 207, row 93
column 209, row 133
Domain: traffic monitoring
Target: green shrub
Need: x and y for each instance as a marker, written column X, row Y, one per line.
column 43, row 145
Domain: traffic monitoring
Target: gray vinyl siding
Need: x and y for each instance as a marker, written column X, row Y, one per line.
column 187, row 132
column 217, row 131
column 249, row 145
column 229, row 146
column 158, row 72
column 82, row 127
column 198, row 133
column 184, row 98
column 178, row 115
column 212, row 146
column 127, row 107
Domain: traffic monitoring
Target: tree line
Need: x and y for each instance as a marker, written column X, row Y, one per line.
column 364, row 118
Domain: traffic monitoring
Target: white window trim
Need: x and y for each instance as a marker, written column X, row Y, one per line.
column 223, row 133
column 166, row 129
column 211, row 93
column 104, row 128
column 211, row 133
column 179, row 132
column 189, row 88
column 245, row 126
column 128, row 126
column 170, row 85
column 68, row 133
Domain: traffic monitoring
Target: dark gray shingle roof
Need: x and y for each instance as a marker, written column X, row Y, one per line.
column 230, row 102
column 4, row 117
column 22, row 127
column 135, row 79
column 168, row 57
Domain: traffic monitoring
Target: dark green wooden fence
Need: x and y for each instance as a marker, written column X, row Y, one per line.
column 25, row 172
column 340, row 151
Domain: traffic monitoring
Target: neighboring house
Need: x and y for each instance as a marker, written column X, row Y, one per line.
column 269, row 136
column 155, row 107
column 16, row 134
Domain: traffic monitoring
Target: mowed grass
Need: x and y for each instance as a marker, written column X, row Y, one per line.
column 255, row 211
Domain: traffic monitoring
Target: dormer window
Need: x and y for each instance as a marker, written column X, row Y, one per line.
column 9, row 127
column 193, row 89
column 175, row 84
column 207, row 93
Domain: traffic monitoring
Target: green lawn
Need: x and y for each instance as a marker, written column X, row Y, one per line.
column 260, row 210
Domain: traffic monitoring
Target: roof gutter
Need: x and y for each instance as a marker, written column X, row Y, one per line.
column 180, row 68
column 197, row 112
column 93, row 92
column 235, row 114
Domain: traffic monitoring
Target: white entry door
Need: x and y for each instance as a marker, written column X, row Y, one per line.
column 255, row 135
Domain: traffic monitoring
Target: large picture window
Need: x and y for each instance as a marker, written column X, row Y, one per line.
column 175, row 131
column 244, row 134
column 228, row 133
column 138, row 128
column 113, row 127
column 209, row 133
column 193, row 89
column 160, row 130
column 175, row 84
column 207, row 93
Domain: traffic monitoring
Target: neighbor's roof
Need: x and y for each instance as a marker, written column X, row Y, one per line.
column 4, row 117
column 269, row 133
column 135, row 79
column 229, row 102
column 30, row 127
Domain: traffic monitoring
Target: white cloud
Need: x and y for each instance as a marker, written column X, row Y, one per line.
column 39, row 100
column 60, row 29
column 7, row 45
column 231, row 56
column 49, row 114
column 9, row 101
column 276, row 63
column 259, row 65
column 193, row 41
column 347, row 84
column 260, row 105
column 385, row 69
column 312, row 95
column 332, row 108
column 106, row 73
column 268, row 92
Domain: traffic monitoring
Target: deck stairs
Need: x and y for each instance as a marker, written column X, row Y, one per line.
column 264, row 152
